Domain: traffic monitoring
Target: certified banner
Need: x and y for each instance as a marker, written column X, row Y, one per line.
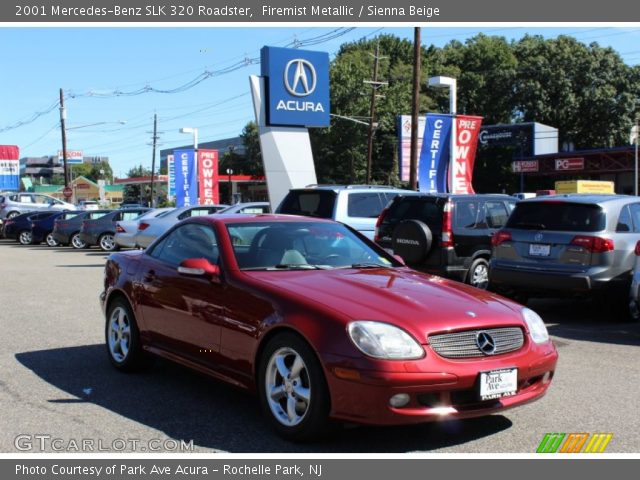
column 434, row 154
column 9, row 167
column 186, row 178
column 208, row 179
column 467, row 129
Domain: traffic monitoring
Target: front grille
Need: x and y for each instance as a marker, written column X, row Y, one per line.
column 464, row 345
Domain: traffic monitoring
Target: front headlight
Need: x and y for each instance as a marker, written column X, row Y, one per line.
column 536, row 326
column 381, row 340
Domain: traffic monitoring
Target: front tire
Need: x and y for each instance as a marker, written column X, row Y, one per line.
column 122, row 338
column 25, row 237
column 292, row 388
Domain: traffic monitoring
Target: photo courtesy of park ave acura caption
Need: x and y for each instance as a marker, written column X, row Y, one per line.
column 276, row 239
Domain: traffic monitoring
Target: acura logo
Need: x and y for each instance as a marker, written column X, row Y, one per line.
column 538, row 237
column 486, row 343
column 300, row 77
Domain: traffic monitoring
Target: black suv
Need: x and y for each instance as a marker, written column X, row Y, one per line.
column 443, row 234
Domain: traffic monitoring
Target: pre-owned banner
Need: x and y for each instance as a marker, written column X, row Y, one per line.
column 434, row 154
column 186, row 178
column 466, row 142
column 9, row 167
column 208, row 177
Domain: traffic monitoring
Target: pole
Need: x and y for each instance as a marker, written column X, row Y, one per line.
column 453, row 107
column 636, row 157
column 372, row 112
column 152, row 202
column 63, row 117
column 415, row 110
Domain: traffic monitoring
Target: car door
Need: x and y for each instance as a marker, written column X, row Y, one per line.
column 182, row 313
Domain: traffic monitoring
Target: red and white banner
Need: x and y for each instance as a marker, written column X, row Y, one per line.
column 208, row 180
column 466, row 143
column 9, row 167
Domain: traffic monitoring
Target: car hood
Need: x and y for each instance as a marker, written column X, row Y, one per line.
column 420, row 303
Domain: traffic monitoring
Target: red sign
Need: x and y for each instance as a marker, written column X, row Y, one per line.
column 524, row 166
column 467, row 129
column 570, row 163
column 208, row 177
column 82, row 186
column 67, row 192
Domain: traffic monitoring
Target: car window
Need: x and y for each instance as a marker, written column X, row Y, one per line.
column 67, row 216
column 42, row 199
column 312, row 203
column 187, row 241
column 96, row 215
column 26, row 199
column 496, row 214
column 635, row 216
column 558, row 215
column 625, row 223
column 466, row 214
column 129, row 215
column 255, row 210
column 366, row 204
column 416, row 208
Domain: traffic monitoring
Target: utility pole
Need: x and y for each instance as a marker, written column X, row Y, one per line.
column 375, row 84
column 415, row 110
column 154, row 139
column 63, row 117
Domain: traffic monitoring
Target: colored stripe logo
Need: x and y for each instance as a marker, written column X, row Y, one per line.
column 574, row 443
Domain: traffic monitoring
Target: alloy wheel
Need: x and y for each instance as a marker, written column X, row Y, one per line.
column 52, row 242
column 119, row 335
column 287, row 385
column 480, row 276
column 25, row 238
column 77, row 242
column 107, row 242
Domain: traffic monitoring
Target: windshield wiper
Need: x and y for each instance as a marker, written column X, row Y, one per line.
column 296, row 266
column 369, row 265
column 531, row 226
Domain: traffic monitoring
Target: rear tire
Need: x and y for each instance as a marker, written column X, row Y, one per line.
column 292, row 388
column 51, row 242
column 25, row 237
column 122, row 338
column 12, row 214
column 107, row 242
column 478, row 275
column 76, row 241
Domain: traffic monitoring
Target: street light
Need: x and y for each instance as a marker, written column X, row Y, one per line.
column 451, row 84
column 194, row 132
column 229, row 173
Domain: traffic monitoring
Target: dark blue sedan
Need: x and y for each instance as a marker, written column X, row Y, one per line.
column 42, row 229
column 19, row 227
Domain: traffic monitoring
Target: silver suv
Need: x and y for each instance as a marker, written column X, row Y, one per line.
column 14, row 204
column 356, row 205
column 568, row 245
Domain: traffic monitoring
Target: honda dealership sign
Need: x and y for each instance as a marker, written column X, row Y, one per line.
column 297, row 86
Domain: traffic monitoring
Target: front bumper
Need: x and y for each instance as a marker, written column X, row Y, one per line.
column 438, row 388
column 126, row 240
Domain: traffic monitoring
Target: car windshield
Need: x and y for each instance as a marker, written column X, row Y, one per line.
column 302, row 246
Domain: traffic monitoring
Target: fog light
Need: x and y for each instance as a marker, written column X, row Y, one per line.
column 399, row 400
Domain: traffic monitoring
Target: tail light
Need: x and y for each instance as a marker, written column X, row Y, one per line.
column 384, row 212
column 142, row 226
column 119, row 228
column 500, row 237
column 593, row 244
column 447, row 226
column 637, row 250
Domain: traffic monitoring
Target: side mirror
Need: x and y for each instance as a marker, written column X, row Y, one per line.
column 637, row 249
column 400, row 259
column 199, row 267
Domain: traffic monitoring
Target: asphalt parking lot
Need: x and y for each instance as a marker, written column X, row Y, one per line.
column 56, row 381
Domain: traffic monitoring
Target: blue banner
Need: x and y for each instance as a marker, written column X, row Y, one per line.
column 186, row 178
column 298, row 86
column 171, row 171
column 434, row 154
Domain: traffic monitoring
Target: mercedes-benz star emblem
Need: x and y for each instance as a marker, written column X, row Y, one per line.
column 300, row 77
column 486, row 343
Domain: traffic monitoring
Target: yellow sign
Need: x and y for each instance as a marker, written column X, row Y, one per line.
column 584, row 186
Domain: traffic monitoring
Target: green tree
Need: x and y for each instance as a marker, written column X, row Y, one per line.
column 141, row 192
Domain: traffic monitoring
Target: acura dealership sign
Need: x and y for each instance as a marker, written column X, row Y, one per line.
column 297, row 86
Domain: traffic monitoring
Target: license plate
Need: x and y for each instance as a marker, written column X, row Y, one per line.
column 498, row 383
column 539, row 250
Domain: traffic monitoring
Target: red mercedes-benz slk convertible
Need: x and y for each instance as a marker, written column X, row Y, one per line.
column 322, row 324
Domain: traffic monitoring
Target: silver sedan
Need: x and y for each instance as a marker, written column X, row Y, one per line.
column 126, row 229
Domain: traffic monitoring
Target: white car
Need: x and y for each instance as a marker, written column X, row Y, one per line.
column 126, row 229
column 88, row 205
